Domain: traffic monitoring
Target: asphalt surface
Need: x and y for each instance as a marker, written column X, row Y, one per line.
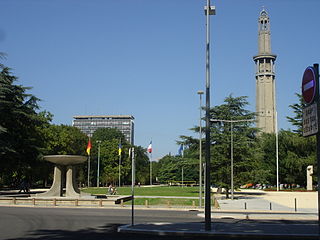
column 248, row 217
column 76, row 223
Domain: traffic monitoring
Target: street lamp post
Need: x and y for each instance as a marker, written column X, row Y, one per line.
column 231, row 145
column 200, row 150
column 98, row 170
column 209, row 10
column 119, row 168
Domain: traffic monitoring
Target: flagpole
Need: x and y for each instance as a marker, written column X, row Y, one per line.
column 88, row 152
column 120, row 163
column 119, row 170
column 89, row 170
column 150, row 159
column 132, row 186
column 149, row 150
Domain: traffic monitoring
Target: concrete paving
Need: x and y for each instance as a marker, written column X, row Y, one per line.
column 241, row 229
column 255, row 214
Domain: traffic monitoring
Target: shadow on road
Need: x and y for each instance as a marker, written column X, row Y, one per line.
column 109, row 231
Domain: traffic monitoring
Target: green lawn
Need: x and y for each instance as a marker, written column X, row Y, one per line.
column 151, row 191
column 156, row 191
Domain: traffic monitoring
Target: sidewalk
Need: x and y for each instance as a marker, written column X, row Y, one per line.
column 249, row 216
column 241, row 229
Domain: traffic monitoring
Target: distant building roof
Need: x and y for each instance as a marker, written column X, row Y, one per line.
column 103, row 116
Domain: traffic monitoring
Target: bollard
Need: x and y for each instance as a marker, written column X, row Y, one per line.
column 33, row 201
column 193, row 204
column 295, row 204
column 76, row 202
column 216, row 203
column 121, row 203
column 14, row 201
column 100, row 203
column 168, row 204
column 245, row 206
column 270, row 206
column 54, row 202
column 146, row 203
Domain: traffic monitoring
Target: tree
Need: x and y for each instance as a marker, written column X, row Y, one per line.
column 109, row 157
column 246, row 160
column 63, row 139
column 142, row 165
column 20, row 138
column 58, row 139
column 295, row 154
column 247, row 156
column 296, row 120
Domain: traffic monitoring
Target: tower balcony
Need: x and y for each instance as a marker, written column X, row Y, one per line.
column 258, row 74
column 265, row 56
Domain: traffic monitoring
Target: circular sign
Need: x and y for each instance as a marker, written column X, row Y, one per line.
column 309, row 85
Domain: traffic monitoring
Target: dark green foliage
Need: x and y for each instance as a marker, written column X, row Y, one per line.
column 109, row 158
column 63, row 139
column 20, row 137
column 295, row 154
column 245, row 155
column 296, row 120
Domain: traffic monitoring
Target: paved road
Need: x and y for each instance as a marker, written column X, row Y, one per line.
column 71, row 223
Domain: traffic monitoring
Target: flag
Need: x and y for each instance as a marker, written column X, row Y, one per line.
column 150, row 147
column 120, row 149
column 180, row 151
column 89, row 147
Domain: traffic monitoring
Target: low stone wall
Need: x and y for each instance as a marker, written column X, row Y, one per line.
column 68, row 202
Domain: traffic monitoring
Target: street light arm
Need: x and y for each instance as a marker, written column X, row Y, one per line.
column 232, row 121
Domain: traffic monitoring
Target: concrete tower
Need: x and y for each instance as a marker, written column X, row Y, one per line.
column 265, row 77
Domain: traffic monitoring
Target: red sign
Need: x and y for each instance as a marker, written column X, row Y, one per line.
column 309, row 85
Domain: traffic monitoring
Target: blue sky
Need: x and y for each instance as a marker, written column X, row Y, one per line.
column 146, row 58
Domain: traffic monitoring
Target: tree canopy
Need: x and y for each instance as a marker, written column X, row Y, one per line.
column 20, row 137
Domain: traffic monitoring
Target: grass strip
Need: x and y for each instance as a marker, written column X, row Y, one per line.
column 150, row 191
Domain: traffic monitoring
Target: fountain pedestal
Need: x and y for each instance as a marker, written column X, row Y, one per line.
column 64, row 170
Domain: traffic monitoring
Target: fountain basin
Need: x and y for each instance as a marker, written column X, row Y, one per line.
column 65, row 160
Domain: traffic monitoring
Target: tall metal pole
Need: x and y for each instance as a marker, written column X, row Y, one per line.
column 150, row 159
column 200, row 151
column 231, row 146
column 98, row 170
column 231, row 149
column 276, row 132
column 277, row 150
column 89, row 158
column 316, row 70
column 133, row 175
column 89, row 171
column 120, row 163
column 208, row 12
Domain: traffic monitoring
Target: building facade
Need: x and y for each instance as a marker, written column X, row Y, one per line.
column 265, row 77
column 89, row 124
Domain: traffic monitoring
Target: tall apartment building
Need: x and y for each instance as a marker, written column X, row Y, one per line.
column 265, row 77
column 88, row 124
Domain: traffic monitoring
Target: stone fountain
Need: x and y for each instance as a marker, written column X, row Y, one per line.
column 64, row 169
